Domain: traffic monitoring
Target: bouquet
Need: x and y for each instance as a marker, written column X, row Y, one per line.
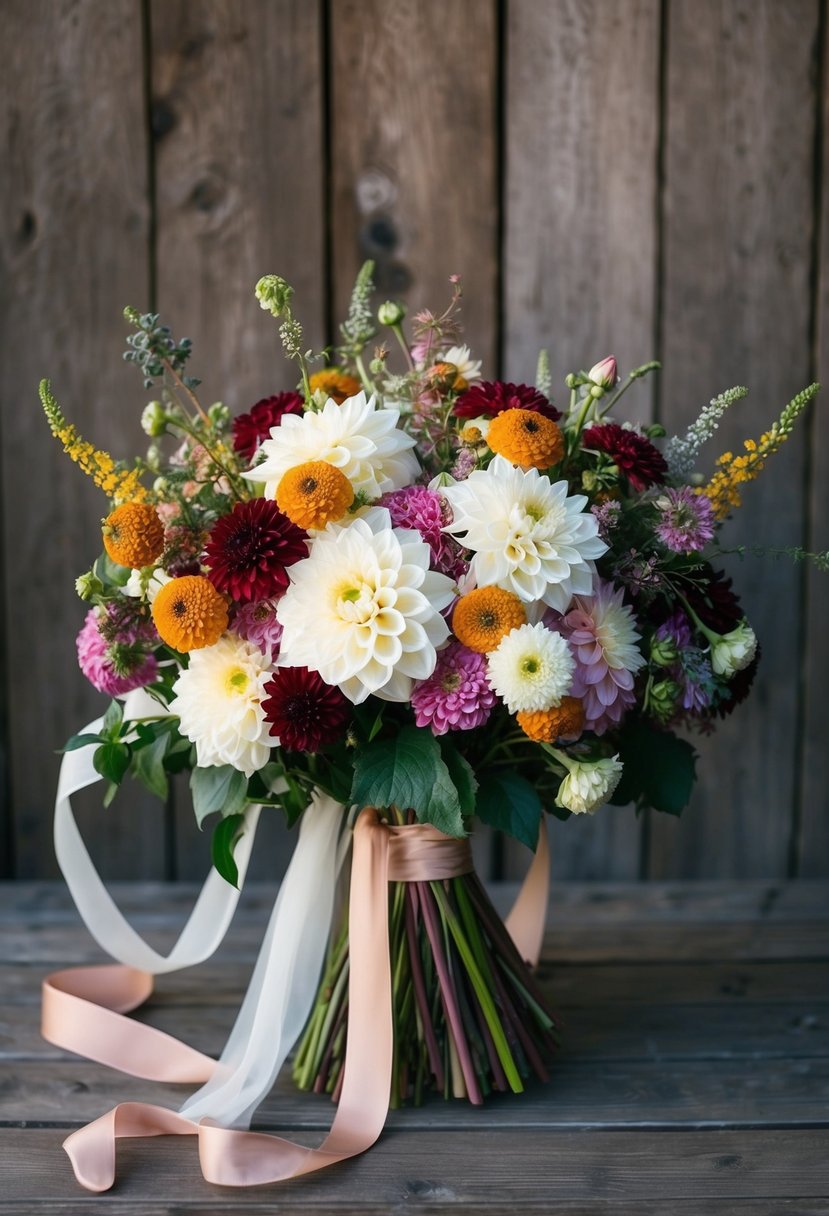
column 406, row 587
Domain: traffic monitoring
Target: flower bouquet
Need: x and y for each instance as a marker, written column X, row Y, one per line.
column 406, row 588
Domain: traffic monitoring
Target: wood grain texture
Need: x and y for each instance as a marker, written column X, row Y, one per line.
column 414, row 155
column 74, row 250
column 736, row 305
column 810, row 844
column 581, row 128
column 239, row 166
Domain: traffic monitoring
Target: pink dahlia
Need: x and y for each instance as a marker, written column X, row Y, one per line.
column 601, row 630
column 634, row 455
column 686, row 520
column 457, row 695
column 492, row 397
column 251, row 428
column 256, row 622
column 95, row 661
column 427, row 512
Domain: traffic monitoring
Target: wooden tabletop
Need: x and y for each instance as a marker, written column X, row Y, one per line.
column 693, row 1079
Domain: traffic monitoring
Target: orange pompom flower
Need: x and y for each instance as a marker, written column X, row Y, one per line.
column 564, row 721
column 314, row 494
column 189, row 613
column 486, row 615
column 526, row 438
column 335, row 384
column 134, row 535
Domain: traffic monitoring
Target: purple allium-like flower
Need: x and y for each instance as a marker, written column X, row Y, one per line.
column 256, row 622
column 692, row 671
column 602, row 631
column 465, row 463
column 686, row 521
column 96, row 664
column 427, row 512
column 457, row 695
column 607, row 516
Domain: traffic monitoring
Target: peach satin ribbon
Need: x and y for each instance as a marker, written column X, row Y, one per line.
column 83, row 1008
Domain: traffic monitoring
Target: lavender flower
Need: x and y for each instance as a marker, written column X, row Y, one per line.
column 686, row 521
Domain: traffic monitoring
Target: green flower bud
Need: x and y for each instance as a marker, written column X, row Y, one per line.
column 154, row 457
column 219, row 415
column 161, row 486
column 572, row 380
column 655, row 431
column 391, row 312
column 154, row 419
column 89, row 585
column 589, row 480
column 662, row 699
column 664, row 652
column 274, row 294
column 596, row 391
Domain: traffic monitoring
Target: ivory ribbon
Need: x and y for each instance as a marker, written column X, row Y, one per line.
column 83, row 1007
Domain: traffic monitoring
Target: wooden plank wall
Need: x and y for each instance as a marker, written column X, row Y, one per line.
column 638, row 176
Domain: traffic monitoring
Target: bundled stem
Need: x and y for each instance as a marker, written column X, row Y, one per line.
column 468, row 1015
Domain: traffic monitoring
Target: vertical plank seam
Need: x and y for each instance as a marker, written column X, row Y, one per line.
column 7, row 815
column 327, row 157
column 499, row 118
column 169, row 867
column 645, row 841
column 807, row 531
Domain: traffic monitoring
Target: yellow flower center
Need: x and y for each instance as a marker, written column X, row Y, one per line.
column 237, row 680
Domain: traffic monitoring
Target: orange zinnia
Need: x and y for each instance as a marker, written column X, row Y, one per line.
column 335, row 383
column 486, row 615
column 189, row 613
column 314, row 494
column 134, row 535
column 526, row 438
column 563, row 721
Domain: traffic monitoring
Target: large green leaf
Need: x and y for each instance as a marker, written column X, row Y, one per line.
column 218, row 788
column 112, row 760
column 463, row 777
column 659, row 771
column 225, row 835
column 508, row 802
column 408, row 771
column 148, row 766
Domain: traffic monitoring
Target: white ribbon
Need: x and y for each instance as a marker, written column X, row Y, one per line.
column 282, row 988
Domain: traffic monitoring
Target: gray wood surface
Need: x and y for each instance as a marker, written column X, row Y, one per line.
column 627, row 175
column 684, row 1087
column 740, row 89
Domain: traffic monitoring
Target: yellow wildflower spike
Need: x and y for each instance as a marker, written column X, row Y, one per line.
column 122, row 485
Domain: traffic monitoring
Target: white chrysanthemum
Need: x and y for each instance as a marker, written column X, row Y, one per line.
column 528, row 535
column 358, row 437
column 461, row 358
column 363, row 609
column 218, row 699
column 588, row 786
column 531, row 668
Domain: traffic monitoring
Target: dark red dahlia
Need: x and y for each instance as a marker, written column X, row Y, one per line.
column 251, row 428
column 248, row 551
column 714, row 601
column 304, row 712
column 634, row 455
column 492, row 397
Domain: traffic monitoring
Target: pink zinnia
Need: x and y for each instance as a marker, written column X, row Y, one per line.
column 256, row 622
column 457, row 695
column 96, row 664
column 425, row 511
column 601, row 630
column 686, row 521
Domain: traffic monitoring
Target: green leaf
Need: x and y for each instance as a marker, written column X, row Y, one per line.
column 508, row 802
column 408, row 772
column 218, row 788
column 660, row 769
column 77, row 741
column 110, row 572
column 111, row 791
column 148, row 766
column 112, row 760
column 112, row 719
column 462, row 774
column 225, row 836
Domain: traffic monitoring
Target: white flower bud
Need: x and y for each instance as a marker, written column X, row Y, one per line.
column 588, row 785
column 732, row 652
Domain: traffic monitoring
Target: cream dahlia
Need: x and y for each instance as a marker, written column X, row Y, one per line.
column 531, row 668
column 588, row 785
column 527, row 534
column 218, row 699
column 602, row 631
column 357, row 437
column 363, row 609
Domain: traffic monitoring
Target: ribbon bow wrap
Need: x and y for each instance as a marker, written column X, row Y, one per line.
column 83, row 1007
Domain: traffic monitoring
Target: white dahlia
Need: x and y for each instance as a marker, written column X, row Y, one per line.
column 357, row 437
column 218, row 699
column 531, row 668
column 363, row 609
column 588, row 785
column 528, row 535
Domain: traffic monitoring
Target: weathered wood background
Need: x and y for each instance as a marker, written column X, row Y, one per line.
column 629, row 176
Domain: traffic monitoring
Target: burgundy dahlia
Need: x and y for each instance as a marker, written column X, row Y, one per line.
column 304, row 712
column 492, row 397
column 714, row 601
column 248, row 551
column 634, row 455
column 251, row 428
column 739, row 686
